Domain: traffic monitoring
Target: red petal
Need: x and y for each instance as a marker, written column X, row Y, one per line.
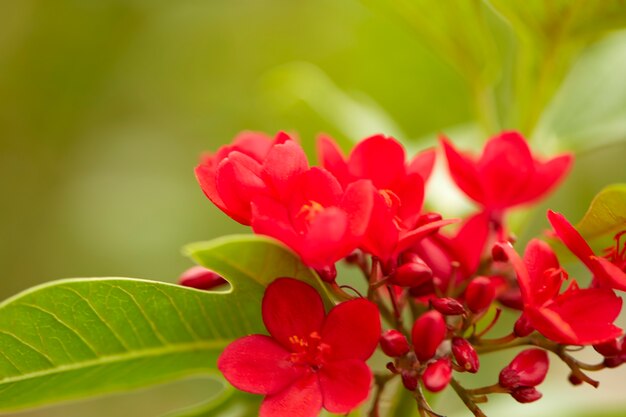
column 409, row 239
column 325, row 242
column 345, row 385
column 237, row 183
column 571, row 238
column 352, row 330
column 523, row 278
column 546, row 176
column 271, row 218
column 540, row 260
column 505, row 167
column 531, row 366
column 463, row 171
column 302, row 399
column 291, row 308
column 423, row 164
column 381, row 236
column 411, row 194
column 315, row 184
column 254, row 144
column 609, row 274
column 332, row 159
column 469, row 243
column 378, row 158
column 580, row 317
column 358, row 202
column 205, row 174
column 258, row 364
column 283, row 163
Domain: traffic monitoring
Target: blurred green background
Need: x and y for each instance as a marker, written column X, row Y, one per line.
column 106, row 105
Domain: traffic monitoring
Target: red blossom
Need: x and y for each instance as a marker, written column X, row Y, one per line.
column 575, row 316
column 606, row 273
column 310, row 360
column 316, row 218
column 252, row 165
column 400, row 189
column 507, row 174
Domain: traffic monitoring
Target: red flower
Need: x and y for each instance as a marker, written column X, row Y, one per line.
column 400, row 186
column 253, row 164
column 316, row 217
column 507, row 174
column 311, row 360
column 607, row 274
column 576, row 316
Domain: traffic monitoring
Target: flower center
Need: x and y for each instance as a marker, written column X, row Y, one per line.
column 305, row 216
column 393, row 203
column 309, row 351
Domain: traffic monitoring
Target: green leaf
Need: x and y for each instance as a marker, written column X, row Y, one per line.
column 606, row 214
column 83, row 337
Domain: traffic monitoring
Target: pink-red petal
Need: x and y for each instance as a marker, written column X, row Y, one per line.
column 332, row 159
column 259, row 365
column 464, row 172
column 301, row 399
column 345, row 385
column 378, row 158
column 291, row 308
column 352, row 330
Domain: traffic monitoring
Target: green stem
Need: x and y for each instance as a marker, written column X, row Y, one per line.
column 466, row 398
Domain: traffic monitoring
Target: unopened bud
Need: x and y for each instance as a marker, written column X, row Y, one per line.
column 411, row 274
column 426, row 288
column 465, row 355
column 448, row 306
column 394, row 344
column 409, row 380
column 613, row 362
column 512, row 298
column 479, row 294
column 526, row 395
column 201, row 278
column 498, row 254
column 328, row 273
column 574, row 380
column 610, row 348
column 527, row 369
column 523, row 327
column 437, row 375
column 392, row 368
column 429, row 330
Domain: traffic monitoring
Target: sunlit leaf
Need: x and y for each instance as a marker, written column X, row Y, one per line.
column 83, row 337
column 606, row 214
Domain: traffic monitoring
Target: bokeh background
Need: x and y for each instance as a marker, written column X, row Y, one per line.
column 106, row 105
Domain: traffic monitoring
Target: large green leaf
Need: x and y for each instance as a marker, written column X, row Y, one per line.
column 606, row 214
column 82, row 337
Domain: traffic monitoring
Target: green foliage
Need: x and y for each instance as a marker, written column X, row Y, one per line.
column 606, row 214
column 82, row 337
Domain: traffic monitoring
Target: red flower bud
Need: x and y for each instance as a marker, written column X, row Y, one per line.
column 479, row 294
column 527, row 369
column 437, row 375
column 447, row 306
column 411, row 274
column 610, row 348
column 523, row 327
column 574, row 380
column 429, row 330
column 465, row 355
column 394, row 344
column 511, row 298
column 498, row 254
column 409, row 380
column 613, row 362
column 328, row 273
column 526, row 395
column 201, row 278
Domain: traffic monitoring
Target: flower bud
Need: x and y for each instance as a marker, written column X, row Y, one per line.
column 465, row 355
column 394, row 344
column 613, row 362
column 512, row 298
column 523, row 327
column 574, row 380
column 526, row 395
column 498, row 254
column 409, row 380
column 425, row 289
column 429, row 330
column 437, row 375
column 479, row 294
column 447, row 306
column 328, row 274
column 411, row 274
column 527, row 369
column 201, row 278
column 610, row 348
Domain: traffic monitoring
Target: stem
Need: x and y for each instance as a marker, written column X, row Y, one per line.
column 466, row 398
column 494, row 342
column 381, row 381
column 396, row 310
column 491, row 389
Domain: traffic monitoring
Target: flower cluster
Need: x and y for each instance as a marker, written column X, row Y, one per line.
column 450, row 277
